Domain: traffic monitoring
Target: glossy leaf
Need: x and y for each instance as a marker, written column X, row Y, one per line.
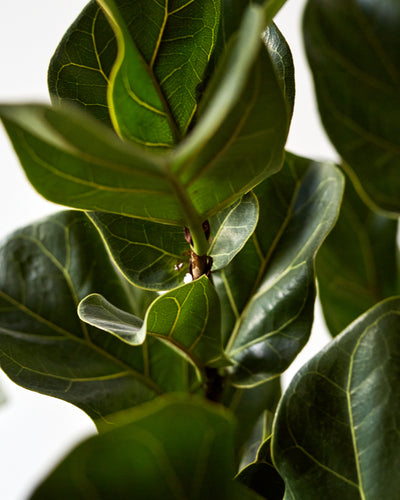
column 231, row 228
column 46, row 269
column 150, row 458
column 354, row 52
column 80, row 69
column 99, row 312
column 357, row 265
column 267, row 311
column 73, row 160
column 261, row 475
column 242, row 124
column 151, row 255
column 190, row 318
column 336, row 431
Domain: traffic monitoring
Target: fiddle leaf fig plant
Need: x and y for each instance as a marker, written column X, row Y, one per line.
column 180, row 284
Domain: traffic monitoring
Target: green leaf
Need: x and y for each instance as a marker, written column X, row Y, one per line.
column 72, row 159
column 354, row 53
column 231, row 228
column 336, row 431
column 357, row 265
column 261, row 475
column 80, row 69
column 249, row 406
column 163, row 51
column 47, row 268
column 242, row 124
column 150, row 255
column 189, row 317
column 99, row 312
column 267, row 292
column 173, row 448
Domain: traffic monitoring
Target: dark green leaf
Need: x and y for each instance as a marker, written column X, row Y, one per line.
column 336, row 433
column 99, row 312
column 149, row 254
column 267, row 310
column 249, row 406
column 190, row 318
column 354, row 52
column 171, row 449
column 242, row 124
column 46, row 269
column 81, row 66
column 357, row 265
column 262, row 476
column 163, row 51
column 231, row 228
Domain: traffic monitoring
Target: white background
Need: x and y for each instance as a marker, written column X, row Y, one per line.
column 36, row 431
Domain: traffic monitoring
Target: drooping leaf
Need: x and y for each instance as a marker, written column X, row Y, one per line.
column 99, row 312
column 231, row 228
column 242, row 124
column 190, row 318
column 354, row 52
column 80, row 69
column 46, row 269
column 151, row 255
column 261, row 475
column 172, row 448
column 336, row 431
column 267, row 292
column 357, row 265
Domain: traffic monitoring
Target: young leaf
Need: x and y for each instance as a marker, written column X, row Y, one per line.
column 173, row 448
column 336, row 431
column 267, row 311
column 99, row 312
column 231, row 228
column 80, row 69
column 354, row 53
column 261, row 475
column 47, row 268
column 357, row 265
column 150, row 255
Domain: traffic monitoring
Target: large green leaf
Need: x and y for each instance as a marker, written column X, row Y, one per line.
column 336, row 434
column 242, row 124
column 73, row 160
column 354, row 51
column 262, row 476
column 80, row 69
column 188, row 317
column 267, row 292
column 163, row 51
column 357, row 265
column 46, row 269
column 170, row 449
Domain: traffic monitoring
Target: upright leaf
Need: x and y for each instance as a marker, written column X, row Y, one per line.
column 357, row 265
column 80, row 68
column 267, row 292
column 336, row 431
column 173, row 448
column 46, row 269
column 354, row 52
column 163, row 51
